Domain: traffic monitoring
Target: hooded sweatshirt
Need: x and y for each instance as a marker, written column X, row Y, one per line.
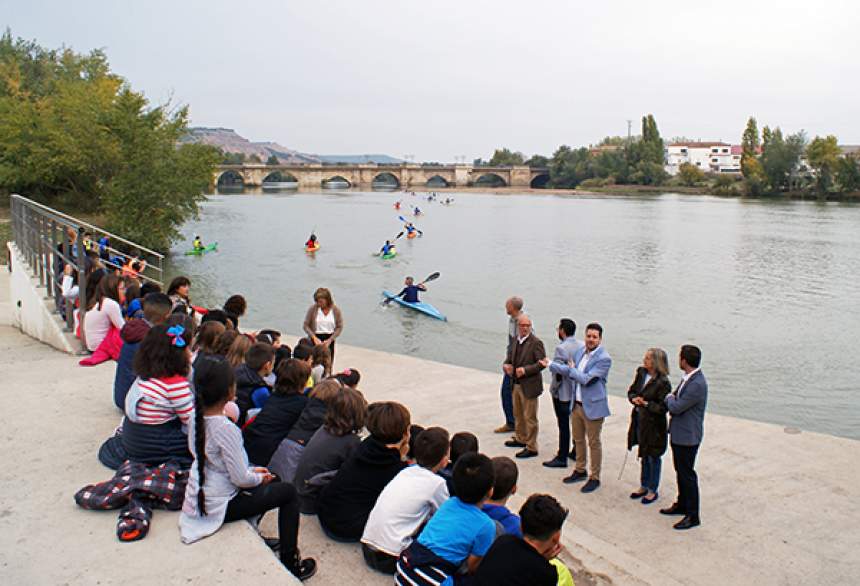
column 132, row 334
column 345, row 503
column 247, row 381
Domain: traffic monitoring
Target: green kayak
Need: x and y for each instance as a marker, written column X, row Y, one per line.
column 390, row 255
column 204, row 250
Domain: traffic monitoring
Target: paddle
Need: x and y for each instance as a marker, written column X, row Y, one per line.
column 402, row 219
column 430, row 277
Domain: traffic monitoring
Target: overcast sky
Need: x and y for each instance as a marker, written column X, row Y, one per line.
column 439, row 79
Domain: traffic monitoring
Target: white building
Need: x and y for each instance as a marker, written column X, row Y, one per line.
column 710, row 157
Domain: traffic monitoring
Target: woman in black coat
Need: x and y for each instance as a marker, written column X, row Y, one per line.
column 648, row 426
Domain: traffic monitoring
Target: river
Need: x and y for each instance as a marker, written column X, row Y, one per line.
column 767, row 289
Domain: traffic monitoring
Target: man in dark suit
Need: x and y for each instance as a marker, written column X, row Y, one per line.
column 686, row 428
column 525, row 360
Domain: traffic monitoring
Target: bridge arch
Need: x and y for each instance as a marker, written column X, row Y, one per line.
column 490, row 180
column 437, row 181
column 385, row 179
column 230, row 178
column 280, row 177
column 539, row 181
column 336, row 182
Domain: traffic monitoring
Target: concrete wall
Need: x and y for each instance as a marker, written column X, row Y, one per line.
column 31, row 307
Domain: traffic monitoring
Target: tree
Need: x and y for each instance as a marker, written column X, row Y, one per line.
column 537, row 161
column 646, row 157
column 750, row 145
column 233, row 158
column 780, row 157
column 75, row 135
column 254, row 158
column 848, row 174
column 505, row 157
column 823, row 155
column 568, row 167
column 273, row 160
column 690, row 174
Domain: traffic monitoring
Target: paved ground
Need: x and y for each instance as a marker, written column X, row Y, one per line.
column 777, row 508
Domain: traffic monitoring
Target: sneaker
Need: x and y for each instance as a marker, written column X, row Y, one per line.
column 303, row 568
column 590, row 486
column 504, row 429
column 575, row 477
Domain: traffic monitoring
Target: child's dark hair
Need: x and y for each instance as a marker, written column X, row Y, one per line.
column 215, row 315
column 161, row 354
column 176, row 283
column 431, row 446
column 274, row 335
column 156, row 306
column 506, row 474
column 305, row 342
column 414, row 431
column 346, row 412
column 213, row 383
column 225, row 340
column 282, row 353
column 258, row 355
column 236, row 305
column 541, row 516
column 473, row 477
column 461, row 443
column 302, row 352
column 184, row 320
column 149, row 287
column 388, row 421
column 207, row 337
column 349, row 377
column 292, row 376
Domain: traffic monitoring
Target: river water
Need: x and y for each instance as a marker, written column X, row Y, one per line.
column 767, row 289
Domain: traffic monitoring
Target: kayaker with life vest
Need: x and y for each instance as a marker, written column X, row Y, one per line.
column 417, row 211
column 410, row 290
column 396, row 205
column 412, row 231
column 312, row 241
column 387, row 248
column 198, row 243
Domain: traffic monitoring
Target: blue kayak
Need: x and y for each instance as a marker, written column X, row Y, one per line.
column 424, row 308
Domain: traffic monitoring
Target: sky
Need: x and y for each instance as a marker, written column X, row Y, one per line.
column 444, row 79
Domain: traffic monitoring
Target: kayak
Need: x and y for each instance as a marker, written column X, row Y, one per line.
column 312, row 248
column 411, row 235
column 422, row 307
column 202, row 251
column 390, row 255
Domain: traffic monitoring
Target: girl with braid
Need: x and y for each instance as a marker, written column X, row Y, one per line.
column 222, row 486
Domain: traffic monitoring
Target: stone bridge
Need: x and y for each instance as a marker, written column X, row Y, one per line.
column 405, row 176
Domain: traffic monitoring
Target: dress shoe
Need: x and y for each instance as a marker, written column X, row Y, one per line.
column 504, row 429
column 572, row 454
column 688, row 522
column 556, row 463
column 590, row 486
column 512, row 443
column 675, row 509
column 575, row 477
column 526, row 453
column 638, row 494
column 648, row 501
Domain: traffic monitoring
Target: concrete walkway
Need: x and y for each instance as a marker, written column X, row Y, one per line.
column 777, row 508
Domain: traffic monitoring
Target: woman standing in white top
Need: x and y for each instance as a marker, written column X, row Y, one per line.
column 323, row 322
column 222, row 486
column 103, row 311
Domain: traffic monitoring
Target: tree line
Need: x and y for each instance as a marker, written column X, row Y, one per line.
column 75, row 135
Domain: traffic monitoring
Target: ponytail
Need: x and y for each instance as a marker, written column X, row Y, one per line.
column 200, row 448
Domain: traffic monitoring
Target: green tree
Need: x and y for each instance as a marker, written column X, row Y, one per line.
column 537, row 161
column 233, row 158
column 690, row 175
column 823, row 155
column 75, row 135
column 848, row 174
column 724, row 185
column 254, row 158
column 780, row 157
column 646, row 156
column 273, row 160
column 750, row 144
column 505, row 157
column 569, row 167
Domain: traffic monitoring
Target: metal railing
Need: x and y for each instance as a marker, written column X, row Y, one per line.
column 50, row 240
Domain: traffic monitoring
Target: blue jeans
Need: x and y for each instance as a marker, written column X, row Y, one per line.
column 650, row 478
column 508, row 400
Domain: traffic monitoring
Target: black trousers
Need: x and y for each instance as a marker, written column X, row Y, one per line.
column 378, row 560
column 684, row 459
column 562, row 416
column 323, row 338
column 275, row 495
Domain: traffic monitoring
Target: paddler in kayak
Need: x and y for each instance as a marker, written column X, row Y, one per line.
column 410, row 290
column 198, row 244
column 312, row 241
column 417, row 211
column 387, row 248
column 396, row 205
column 411, row 230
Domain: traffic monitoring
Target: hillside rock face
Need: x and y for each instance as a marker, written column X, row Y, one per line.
column 229, row 141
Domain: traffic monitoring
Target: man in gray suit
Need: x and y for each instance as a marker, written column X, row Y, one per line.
column 562, row 390
column 686, row 428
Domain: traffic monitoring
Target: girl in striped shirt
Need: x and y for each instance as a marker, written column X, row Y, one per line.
column 160, row 403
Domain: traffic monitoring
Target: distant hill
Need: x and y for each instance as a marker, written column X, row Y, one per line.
column 229, row 141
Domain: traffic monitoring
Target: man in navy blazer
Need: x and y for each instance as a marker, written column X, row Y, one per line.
column 589, row 370
column 686, row 428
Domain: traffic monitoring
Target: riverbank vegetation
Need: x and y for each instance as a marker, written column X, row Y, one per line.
column 75, row 135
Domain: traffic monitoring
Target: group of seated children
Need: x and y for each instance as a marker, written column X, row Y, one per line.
column 263, row 431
